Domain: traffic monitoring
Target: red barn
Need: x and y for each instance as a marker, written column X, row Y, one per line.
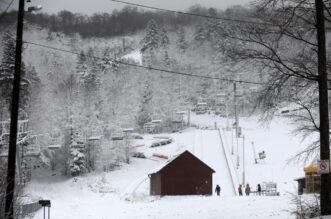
column 185, row 174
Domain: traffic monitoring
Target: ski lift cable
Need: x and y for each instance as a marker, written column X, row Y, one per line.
column 160, row 69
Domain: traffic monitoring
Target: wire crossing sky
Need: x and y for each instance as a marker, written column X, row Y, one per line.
column 157, row 68
column 99, row 6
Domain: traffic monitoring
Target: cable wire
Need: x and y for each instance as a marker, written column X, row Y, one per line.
column 148, row 68
column 5, row 11
column 159, row 69
column 193, row 14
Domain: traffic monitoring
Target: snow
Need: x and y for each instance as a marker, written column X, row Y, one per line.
column 135, row 56
column 124, row 193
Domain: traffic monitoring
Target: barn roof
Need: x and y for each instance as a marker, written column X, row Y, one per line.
column 161, row 167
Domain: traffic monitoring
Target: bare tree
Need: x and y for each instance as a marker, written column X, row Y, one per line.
column 286, row 40
column 281, row 43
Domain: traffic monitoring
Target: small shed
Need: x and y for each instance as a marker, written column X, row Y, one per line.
column 311, row 182
column 184, row 174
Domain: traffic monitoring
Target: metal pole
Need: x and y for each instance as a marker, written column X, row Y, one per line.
column 49, row 212
column 232, row 149
column 44, row 213
column 9, row 205
column 243, row 160
column 238, row 163
column 227, row 116
column 188, row 118
column 237, row 121
column 255, row 158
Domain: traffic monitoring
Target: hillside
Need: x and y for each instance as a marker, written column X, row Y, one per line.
column 87, row 69
column 107, row 99
column 124, row 193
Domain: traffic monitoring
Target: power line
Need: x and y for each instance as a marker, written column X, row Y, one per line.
column 193, row 14
column 148, row 68
column 12, row 1
column 157, row 69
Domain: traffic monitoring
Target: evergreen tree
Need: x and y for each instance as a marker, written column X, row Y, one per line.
column 81, row 64
column 87, row 70
column 32, row 77
column 77, row 164
column 7, row 70
column 147, row 58
column 152, row 36
column 164, row 44
column 144, row 114
column 200, row 34
column 166, row 58
column 164, row 39
column 181, row 43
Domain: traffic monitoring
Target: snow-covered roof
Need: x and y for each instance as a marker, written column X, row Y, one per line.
column 202, row 103
column 162, row 166
column 54, row 146
column 94, row 138
column 181, row 112
column 128, row 130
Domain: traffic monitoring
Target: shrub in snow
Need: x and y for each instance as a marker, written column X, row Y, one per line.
column 306, row 206
column 3, row 185
column 77, row 165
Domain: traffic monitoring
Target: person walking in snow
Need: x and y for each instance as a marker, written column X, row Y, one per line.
column 247, row 189
column 240, row 191
column 218, row 190
column 259, row 190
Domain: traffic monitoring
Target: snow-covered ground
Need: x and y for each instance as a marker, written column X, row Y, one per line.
column 124, row 193
column 135, row 56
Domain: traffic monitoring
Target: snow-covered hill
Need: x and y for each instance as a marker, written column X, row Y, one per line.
column 124, row 193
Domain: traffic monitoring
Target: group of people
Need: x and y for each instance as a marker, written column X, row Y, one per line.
column 240, row 190
column 248, row 189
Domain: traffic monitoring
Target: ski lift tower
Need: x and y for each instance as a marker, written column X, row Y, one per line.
column 117, row 137
column 201, row 108
column 178, row 120
column 127, row 137
column 157, row 123
column 149, row 127
column 221, row 106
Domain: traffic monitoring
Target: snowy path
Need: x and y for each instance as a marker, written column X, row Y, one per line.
column 208, row 148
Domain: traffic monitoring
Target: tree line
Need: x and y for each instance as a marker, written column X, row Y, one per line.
column 118, row 23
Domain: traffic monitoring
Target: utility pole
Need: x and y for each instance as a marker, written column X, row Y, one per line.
column 10, row 189
column 323, row 107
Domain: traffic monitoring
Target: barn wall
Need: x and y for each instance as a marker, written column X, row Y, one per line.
column 184, row 175
column 155, row 184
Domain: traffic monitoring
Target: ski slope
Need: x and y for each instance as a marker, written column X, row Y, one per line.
column 208, row 148
column 124, row 193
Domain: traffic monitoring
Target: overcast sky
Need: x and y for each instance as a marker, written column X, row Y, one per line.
column 93, row 6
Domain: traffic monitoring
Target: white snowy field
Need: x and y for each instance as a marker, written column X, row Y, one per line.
column 276, row 139
column 124, row 193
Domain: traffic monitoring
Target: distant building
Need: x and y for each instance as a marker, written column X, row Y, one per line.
column 185, row 174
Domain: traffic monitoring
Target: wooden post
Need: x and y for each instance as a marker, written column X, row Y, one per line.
column 10, row 188
column 323, row 107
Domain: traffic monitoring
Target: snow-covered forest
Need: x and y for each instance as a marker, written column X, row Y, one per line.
column 88, row 82
column 86, row 94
